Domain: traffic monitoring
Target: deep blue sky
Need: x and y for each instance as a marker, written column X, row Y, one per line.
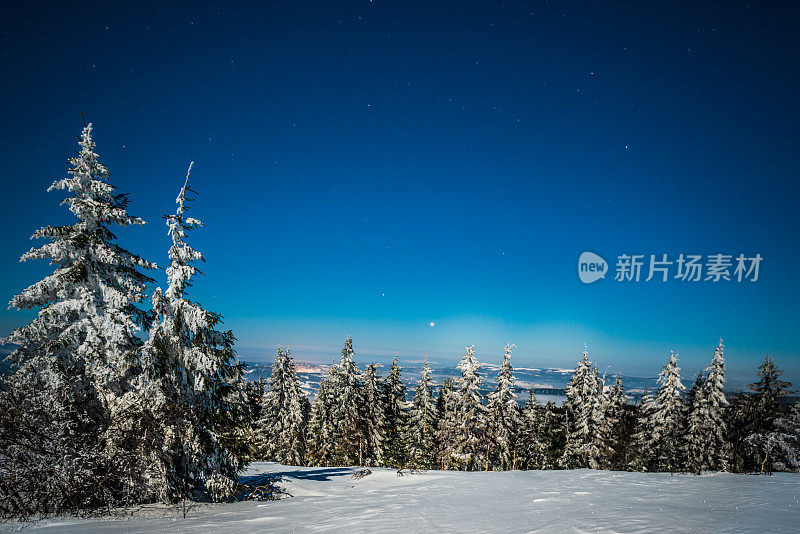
column 368, row 168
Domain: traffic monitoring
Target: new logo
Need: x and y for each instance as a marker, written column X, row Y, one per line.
column 591, row 267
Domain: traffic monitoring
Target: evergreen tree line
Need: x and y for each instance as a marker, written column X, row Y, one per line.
column 359, row 418
column 93, row 415
column 121, row 397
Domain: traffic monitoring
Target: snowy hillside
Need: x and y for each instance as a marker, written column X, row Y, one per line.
column 329, row 500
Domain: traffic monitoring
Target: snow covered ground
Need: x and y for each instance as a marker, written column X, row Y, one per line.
column 328, row 500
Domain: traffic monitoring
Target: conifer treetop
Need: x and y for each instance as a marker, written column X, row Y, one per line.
column 181, row 255
column 88, row 302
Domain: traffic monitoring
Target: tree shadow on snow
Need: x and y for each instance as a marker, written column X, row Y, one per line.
column 322, row 474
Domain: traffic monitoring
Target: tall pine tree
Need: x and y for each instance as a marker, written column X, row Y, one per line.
column 395, row 451
column 470, row 434
column 582, row 415
column 200, row 396
column 323, row 430
column 503, row 418
column 447, row 427
column 350, row 410
column 76, row 443
column 763, row 408
column 374, row 416
column 664, row 420
column 693, row 432
column 281, row 428
column 707, row 446
column 641, row 457
column 422, row 422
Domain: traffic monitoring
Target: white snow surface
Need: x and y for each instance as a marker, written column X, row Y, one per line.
column 326, row 499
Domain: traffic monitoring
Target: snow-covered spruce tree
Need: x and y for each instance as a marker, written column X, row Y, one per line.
column 422, row 423
column 706, row 443
column 350, row 409
column 280, row 431
column 374, row 416
column 665, row 419
column 74, row 445
column 199, row 388
column 716, row 453
column 600, row 438
column 613, row 405
column 641, row 459
column 582, row 415
column 470, row 437
column 395, row 450
column 763, row 408
column 531, row 444
column 322, row 435
column 693, row 427
column 769, row 390
column 502, row 418
column 446, row 429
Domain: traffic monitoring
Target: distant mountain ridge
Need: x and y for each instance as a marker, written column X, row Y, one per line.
column 547, row 384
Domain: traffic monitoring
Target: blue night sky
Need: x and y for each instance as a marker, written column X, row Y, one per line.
column 368, row 168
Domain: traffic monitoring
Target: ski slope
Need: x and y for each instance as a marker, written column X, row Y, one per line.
column 328, row 500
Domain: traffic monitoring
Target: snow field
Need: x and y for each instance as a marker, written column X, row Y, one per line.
column 326, row 499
